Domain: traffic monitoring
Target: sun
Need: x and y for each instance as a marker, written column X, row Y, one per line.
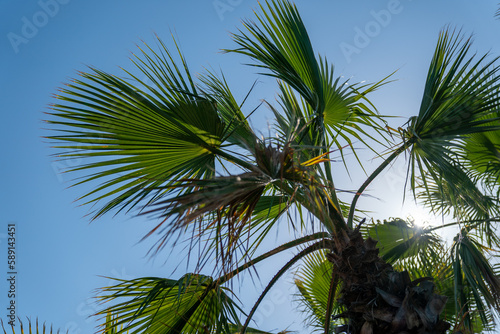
column 420, row 215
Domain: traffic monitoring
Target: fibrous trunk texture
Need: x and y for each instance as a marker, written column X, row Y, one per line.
column 379, row 299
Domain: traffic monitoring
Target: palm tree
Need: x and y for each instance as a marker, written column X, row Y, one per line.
column 180, row 148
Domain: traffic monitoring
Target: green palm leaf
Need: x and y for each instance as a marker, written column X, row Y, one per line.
column 446, row 199
column 37, row 328
column 482, row 151
column 476, row 281
column 280, row 44
column 283, row 47
column 473, row 207
column 460, row 99
column 192, row 304
column 238, row 130
column 344, row 120
column 313, row 282
column 399, row 239
column 139, row 137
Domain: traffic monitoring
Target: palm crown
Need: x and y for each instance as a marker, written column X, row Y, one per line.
column 180, row 147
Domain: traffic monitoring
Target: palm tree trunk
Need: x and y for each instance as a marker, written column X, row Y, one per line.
column 379, row 299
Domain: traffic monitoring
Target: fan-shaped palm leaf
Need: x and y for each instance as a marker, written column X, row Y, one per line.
column 399, row 239
column 280, row 44
column 191, row 304
column 440, row 197
column 460, row 99
column 313, row 281
column 144, row 136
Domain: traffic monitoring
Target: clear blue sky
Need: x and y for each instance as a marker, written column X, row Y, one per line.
column 61, row 254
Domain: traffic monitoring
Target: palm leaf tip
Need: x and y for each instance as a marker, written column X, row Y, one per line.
column 32, row 329
column 282, row 46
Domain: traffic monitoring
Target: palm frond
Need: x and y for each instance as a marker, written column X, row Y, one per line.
column 140, row 136
column 399, row 239
column 460, row 99
column 281, row 45
column 192, row 304
column 313, row 280
column 346, row 117
column 476, row 281
column 224, row 206
column 332, row 109
column 482, row 151
column 466, row 202
column 221, row 208
column 442, row 198
column 32, row 329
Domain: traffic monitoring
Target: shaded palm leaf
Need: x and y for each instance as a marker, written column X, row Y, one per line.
column 435, row 261
column 220, row 208
column 472, row 204
column 224, row 206
column 483, row 153
column 460, row 98
column 472, row 208
column 475, row 279
column 265, row 216
column 419, row 252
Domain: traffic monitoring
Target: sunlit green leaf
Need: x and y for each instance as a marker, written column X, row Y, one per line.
column 399, row 239
column 192, row 304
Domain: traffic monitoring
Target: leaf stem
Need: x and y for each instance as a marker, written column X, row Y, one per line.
column 377, row 171
column 314, row 247
column 288, row 245
column 331, row 295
